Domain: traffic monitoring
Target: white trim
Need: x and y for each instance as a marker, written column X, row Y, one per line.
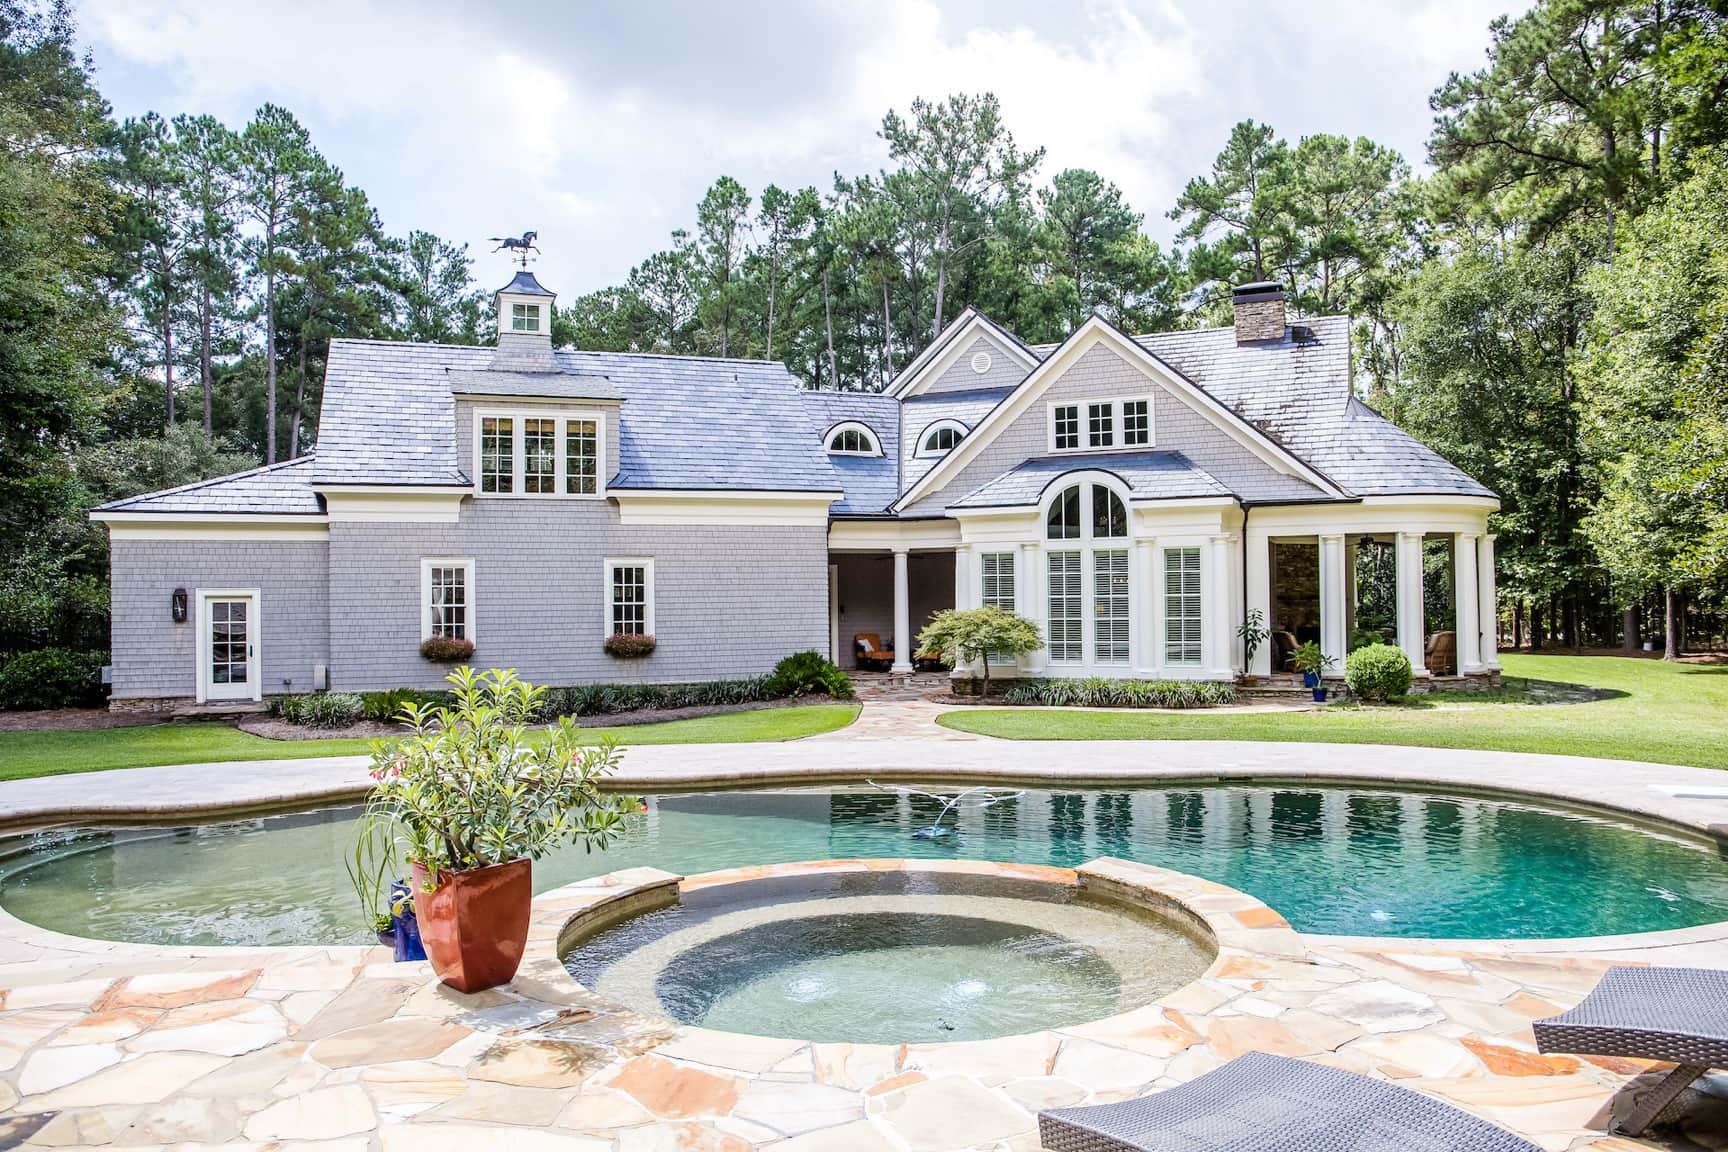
column 851, row 426
column 201, row 598
column 205, row 518
column 924, row 452
column 887, row 535
column 646, row 563
column 265, row 529
column 749, row 509
column 1082, row 340
column 395, row 489
column 427, row 563
column 373, row 507
column 1087, row 546
column 518, row 458
column 942, row 353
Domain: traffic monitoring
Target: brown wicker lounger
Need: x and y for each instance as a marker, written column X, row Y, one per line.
column 1678, row 1014
column 1265, row 1103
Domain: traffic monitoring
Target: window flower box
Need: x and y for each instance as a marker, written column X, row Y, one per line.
column 629, row 645
column 447, row 650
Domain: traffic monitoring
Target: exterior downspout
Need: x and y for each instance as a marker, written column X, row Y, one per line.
column 1246, row 508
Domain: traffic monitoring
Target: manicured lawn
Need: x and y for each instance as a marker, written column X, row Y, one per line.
column 1669, row 713
column 27, row 754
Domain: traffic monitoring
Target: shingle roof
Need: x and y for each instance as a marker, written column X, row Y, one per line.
column 919, row 413
column 870, row 483
column 563, row 385
column 1148, row 475
column 278, row 490
column 524, row 284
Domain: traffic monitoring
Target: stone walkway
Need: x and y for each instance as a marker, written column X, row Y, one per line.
column 339, row 1049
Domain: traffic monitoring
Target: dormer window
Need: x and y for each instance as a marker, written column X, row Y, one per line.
column 1101, row 425
column 539, row 453
column 852, row 439
column 524, row 317
column 941, row 438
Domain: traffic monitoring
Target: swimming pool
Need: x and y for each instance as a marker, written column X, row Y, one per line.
column 1333, row 859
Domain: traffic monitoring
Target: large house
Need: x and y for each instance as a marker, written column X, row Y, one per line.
column 1136, row 496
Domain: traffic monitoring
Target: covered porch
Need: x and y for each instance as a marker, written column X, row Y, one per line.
column 886, row 582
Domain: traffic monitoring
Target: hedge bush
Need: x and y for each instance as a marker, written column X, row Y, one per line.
column 52, row 678
column 1378, row 672
column 387, row 706
column 609, row 699
column 1101, row 692
column 320, row 709
column 803, row 673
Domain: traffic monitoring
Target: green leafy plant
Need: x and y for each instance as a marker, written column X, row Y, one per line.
column 968, row 634
column 468, row 789
column 628, row 645
column 1101, row 692
column 1254, row 633
column 52, row 678
column 387, row 706
column 1308, row 657
column 447, row 649
column 370, row 866
column 320, row 709
column 803, row 673
column 1378, row 672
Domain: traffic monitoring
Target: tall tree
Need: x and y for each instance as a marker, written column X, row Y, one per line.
column 439, row 301
column 1228, row 214
column 207, row 157
column 722, row 231
column 785, row 221
column 277, row 165
column 155, row 236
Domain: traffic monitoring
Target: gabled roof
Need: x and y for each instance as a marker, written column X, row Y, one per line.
column 275, row 490
column 869, row 483
column 1147, row 475
column 918, row 414
column 970, row 322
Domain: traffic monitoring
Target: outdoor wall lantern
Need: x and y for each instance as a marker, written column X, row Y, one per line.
column 179, row 605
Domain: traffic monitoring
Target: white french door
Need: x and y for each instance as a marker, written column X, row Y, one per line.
column 228, row 643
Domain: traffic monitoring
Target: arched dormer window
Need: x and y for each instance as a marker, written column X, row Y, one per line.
column 1086, row 568
column 852, row 439
column 941, row 437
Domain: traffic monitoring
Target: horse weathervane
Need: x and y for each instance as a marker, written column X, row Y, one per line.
column 517, row 246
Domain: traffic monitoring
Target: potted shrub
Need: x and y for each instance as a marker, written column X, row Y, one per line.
column 471, row 802
column 977, row 634
column 628, row 645
column 373, row 860
column 1309, row 660
column 447, row 650
column 1254, row 633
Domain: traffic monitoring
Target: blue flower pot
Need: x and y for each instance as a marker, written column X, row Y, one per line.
column 1319, row 695
column 1310, row 679
column 406, row 931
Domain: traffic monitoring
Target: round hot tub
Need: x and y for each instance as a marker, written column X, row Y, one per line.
column 887, row 956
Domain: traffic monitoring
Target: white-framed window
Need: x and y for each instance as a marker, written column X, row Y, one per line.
column 1110, row 623
column 524, row 317
column 539, row 452
column 996, row 576
column 447, row 597
column 1101, row 425
column 630, row 595
column 1067, row 607
column 1089, row 590
column 852, row 439
column 1182, row 606
column 941, row 438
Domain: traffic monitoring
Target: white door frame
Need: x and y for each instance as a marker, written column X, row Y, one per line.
column 254, row 636
column 834, row 613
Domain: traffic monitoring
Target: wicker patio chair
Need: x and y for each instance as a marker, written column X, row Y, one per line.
column 1265, row 1103
column 1678, row 1014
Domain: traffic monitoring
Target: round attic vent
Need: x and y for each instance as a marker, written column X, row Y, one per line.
column 980, row 362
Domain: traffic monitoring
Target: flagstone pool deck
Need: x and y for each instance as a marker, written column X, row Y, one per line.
column 110, row 1044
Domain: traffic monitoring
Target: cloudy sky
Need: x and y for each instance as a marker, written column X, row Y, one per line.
column 600, row 125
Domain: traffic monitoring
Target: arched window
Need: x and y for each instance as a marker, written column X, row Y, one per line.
column 852, row 439
column 940, row 438
column 1086, row 560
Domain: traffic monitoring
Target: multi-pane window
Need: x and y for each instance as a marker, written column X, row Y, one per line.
column 1136, row 422
column 449, row 601
column 229, row 642
column 1182, row 605
column 582, row 457
column 853, row 442
column 497, row 454
column 524, row 317
column 631, row 591
column 1100, row 426
column 1064, row 520
column 1065, row 427
column 942, row 439
column 1110, row 627
column 997, row 577
column 1109, row 517
column 1066, row 607
column 539, row 456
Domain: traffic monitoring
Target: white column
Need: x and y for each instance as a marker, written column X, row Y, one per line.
column 1332, row 638
column 903, row 642
column 968, row 592
column 1215, row 609
column 1468, row 601
column 1029, row 599
column 1411, row 635
column 1488, row 606
column 1258, row 578
column 1141, row 573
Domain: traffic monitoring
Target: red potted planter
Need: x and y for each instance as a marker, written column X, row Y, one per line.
column 474, row 924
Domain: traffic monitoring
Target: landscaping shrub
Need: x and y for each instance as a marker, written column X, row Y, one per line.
column 1378, row 672
column 1101, row 692
column 447, row 649
column 52, row 678
column 387, row 706
column 320, row 709
column 628, row 645
column 805, row 672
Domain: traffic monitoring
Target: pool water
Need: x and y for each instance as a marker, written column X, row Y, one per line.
column 1333, row 860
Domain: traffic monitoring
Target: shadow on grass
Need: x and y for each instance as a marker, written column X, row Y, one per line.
column 1519, row 690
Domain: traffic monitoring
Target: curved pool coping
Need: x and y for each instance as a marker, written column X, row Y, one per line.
column 1671, row 798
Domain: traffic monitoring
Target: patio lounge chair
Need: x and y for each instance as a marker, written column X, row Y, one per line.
column 1265, row 1103
column 870, row 652
column 1677, row 1014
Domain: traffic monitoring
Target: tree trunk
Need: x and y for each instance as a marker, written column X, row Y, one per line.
column 773, row 276
column 1538, row 626
column 204, row 356
column 986, row 691
column 941, row 274
column 887, row 337
column 1629, row 628
column 828, row 322
column 1670, row 624
column 168, row 357
column 299, row 403
column 270, row 346
column 1517, row 624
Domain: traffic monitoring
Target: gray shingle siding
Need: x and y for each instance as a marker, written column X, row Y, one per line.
column 1005, row 370
column 729, row 600
column 155, row 657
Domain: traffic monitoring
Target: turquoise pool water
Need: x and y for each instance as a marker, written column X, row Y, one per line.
column 1335, row 860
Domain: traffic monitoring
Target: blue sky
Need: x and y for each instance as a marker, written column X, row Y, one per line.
column 601, row 125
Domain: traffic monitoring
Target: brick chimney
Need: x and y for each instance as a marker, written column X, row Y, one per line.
column 1259, row 311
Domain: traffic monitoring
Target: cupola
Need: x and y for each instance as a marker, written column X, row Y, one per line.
column 524, row 326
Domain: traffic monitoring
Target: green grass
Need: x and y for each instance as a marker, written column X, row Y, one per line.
column 1650, row 710
column 27, row 754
